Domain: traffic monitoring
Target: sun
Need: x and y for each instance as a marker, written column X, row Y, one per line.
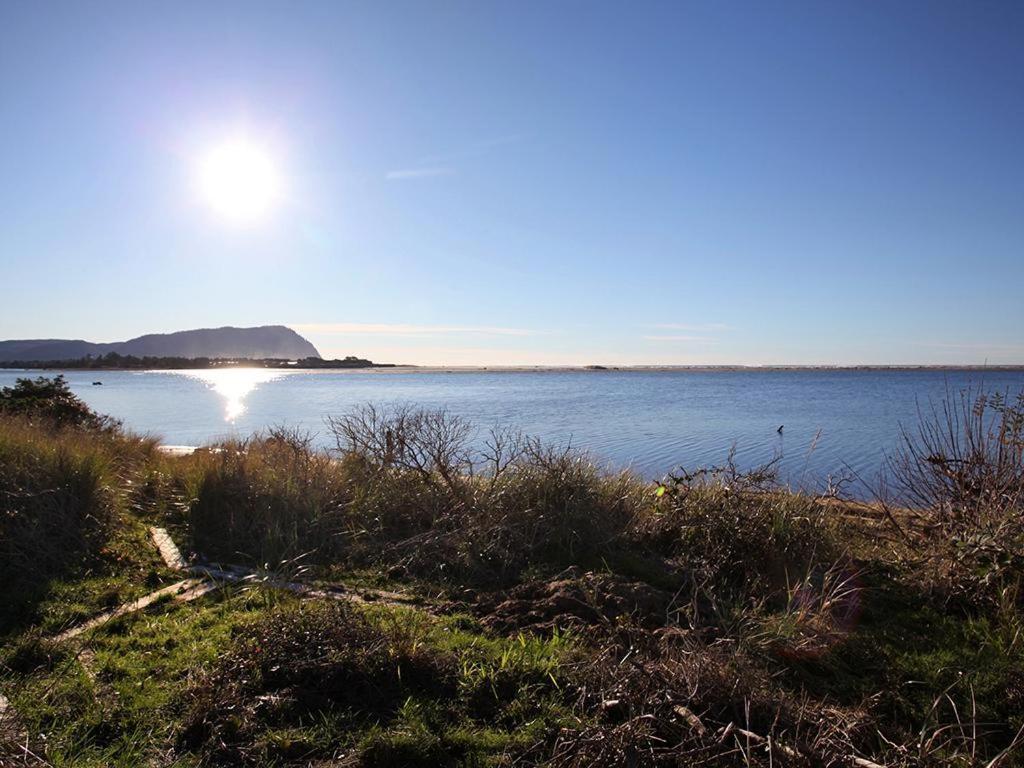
column 239, row 180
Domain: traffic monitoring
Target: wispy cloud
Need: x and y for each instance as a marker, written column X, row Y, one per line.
column 697, row 327
column 419, row 173
column 408, row 330
column 678, row 338
column 443, row 165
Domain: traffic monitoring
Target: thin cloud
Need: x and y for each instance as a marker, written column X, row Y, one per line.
column 698, row 327
column 676, row 338
column 442, row 165
column 419, row 173
column 408, row 330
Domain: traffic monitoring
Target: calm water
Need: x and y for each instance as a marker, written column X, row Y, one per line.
column 652, row 421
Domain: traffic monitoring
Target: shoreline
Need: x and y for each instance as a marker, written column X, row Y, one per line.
column 596, row 369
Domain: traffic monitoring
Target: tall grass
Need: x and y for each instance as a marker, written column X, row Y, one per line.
column 266, row 499
column 964, row 457
column 58, row 500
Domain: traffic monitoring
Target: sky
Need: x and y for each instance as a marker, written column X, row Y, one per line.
column 545, row 183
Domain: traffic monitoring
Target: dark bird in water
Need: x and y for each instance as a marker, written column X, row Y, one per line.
column 779, row 430
column 97, row 383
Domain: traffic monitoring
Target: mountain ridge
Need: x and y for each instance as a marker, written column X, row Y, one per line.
column 257, row 342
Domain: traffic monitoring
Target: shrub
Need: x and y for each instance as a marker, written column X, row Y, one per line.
column 553, row 506
column 51, row 401
column 420, row 492
column 966, row 456
column 431, row 444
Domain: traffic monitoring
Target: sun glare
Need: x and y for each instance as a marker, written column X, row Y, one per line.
column 239, row 181
column 235, row 385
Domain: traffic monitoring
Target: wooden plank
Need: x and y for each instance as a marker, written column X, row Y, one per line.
column 168, row 549
column 181, row 590
column 235, row 574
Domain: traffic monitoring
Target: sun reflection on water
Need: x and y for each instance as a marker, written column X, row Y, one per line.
column 234, row 385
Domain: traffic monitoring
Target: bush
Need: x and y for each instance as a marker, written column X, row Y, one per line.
column 549, row 507
column 417, row 492
column 51, row 401
column 965, row 457
column 433, row 445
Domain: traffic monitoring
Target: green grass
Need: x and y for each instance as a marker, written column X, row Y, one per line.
column 503, row 691
column 140, row 665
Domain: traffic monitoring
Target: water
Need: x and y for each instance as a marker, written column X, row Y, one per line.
column 652, row 421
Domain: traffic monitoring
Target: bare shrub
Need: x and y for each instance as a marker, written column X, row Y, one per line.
column 422, row 492
column 438, row 506
column 545, row 506
column 433, row 444
column 965, row 456
column 963, row 466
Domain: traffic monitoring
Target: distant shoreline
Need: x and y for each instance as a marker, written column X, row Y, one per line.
column 595, row 369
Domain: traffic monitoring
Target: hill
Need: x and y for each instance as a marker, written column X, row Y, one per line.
column 265, row 341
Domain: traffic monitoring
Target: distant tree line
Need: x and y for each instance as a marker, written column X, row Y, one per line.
column 114, row 360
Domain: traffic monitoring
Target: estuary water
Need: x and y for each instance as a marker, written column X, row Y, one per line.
column 833, row 421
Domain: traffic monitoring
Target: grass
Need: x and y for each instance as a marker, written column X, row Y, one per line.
column 255, row 678
column 564, row 616
column 67, row 519
column 138, row 667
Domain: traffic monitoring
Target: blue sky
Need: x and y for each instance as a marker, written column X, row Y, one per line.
column 526, row 183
